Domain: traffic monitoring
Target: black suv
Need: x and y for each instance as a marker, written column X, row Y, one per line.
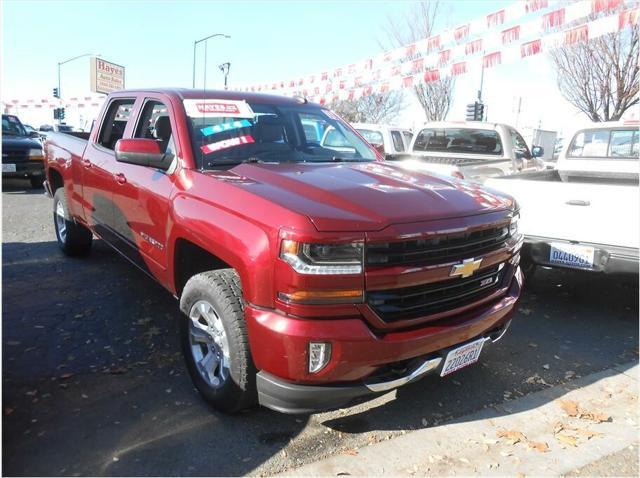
column 21, row 153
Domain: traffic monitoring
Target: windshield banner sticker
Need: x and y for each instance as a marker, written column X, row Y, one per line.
column 227, row 143
column 220, row 128
column 218, row 108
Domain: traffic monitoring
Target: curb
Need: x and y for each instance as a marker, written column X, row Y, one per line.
column 472, row 445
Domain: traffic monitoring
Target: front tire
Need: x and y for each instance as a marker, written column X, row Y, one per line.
column 214, row 340
column 73, row 239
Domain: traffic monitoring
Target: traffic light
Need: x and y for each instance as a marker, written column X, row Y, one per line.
column 475, row 111
column 56, row 113
column 56, row 93
column 61, row 114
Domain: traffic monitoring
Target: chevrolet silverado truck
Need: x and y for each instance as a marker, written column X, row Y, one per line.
column 585, row 214
column 308, row 278
column 21, row 152
column 471, row 150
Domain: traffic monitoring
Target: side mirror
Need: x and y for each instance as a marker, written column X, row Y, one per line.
column 143, row 152
column 34, row 134
column 537, row 151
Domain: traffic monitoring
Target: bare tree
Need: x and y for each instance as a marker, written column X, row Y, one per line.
column 435, row 96
column 600, row 77
column 373, row 108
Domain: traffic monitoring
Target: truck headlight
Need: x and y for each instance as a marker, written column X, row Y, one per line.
column 323, row 259
column 513, row 226
column 36, row 154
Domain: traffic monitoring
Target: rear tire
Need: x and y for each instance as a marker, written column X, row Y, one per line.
column 73, row 239
column 214, row 340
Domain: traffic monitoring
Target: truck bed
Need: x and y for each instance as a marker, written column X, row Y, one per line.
column 593, row 210
column 74, row 143
column 449, row 160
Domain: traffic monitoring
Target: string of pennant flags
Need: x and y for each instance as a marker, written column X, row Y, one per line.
column 520, row 30
column 486, row 42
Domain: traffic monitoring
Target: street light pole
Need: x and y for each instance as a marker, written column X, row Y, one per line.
column 195, row 43
column 60, row 63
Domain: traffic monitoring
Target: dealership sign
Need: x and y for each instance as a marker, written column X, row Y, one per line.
column 106, row 76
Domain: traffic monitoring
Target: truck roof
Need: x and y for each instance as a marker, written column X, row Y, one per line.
column 463, row 124
column 196, row 94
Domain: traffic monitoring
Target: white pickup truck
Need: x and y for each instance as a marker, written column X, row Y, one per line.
column 470, row 150
column 586, row 213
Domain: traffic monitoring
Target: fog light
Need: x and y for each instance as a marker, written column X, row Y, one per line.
column 319, row 356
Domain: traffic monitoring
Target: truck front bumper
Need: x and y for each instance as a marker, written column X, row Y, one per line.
column 607, row 259
column 25, row 169
column 363, row 363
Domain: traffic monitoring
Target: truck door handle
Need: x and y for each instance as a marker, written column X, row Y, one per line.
column 86, row 163
column 578, row 202
column 120, row 178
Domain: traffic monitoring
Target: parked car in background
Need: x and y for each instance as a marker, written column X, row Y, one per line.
column 308, row 279
column 21, row 152
column 585, row 214
column 388, row 140
column 470, row 150
column 58, row 128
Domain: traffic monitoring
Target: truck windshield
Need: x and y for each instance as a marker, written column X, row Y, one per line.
column 11, row 126
column 459, row 140
column 225, row 132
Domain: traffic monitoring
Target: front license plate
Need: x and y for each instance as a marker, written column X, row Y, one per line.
column 8, row 168
column 572, row 255
column 462, row 356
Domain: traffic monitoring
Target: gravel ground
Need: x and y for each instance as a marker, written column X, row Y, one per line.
column 94, row 384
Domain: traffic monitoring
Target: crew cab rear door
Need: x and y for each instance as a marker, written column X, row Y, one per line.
column 98, row 167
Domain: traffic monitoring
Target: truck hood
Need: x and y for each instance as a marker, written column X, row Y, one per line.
column 363, row 196
column 19, row 143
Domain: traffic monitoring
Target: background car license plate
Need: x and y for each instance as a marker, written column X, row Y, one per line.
column 8, row 168
column 572, row 255
column 462, row 356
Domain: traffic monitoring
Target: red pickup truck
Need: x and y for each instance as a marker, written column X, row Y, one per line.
column 310, row 276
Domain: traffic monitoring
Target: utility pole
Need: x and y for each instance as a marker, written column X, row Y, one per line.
column 224, row 68
column 195, row 43
column 62, row 63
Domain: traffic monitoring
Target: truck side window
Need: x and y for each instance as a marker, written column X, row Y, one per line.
column 520, row 148
column 115, row 122
column 154, row 123
column 623, row 143
column 398, row 145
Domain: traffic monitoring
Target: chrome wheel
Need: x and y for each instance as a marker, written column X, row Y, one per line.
column 209, row 343
column 61, row 224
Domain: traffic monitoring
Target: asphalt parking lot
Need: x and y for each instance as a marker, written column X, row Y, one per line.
column 94, row 384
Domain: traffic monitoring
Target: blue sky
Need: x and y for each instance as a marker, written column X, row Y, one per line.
column 270, row 41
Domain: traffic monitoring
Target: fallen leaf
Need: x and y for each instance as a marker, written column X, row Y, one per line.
column 118, row 370
column 538, row 446
column 570, row 407
column 588, row 433
column 569, row 440
column 65, row 376
column 512, row 436
column 595, row 416
column 351, row 452
column 546, row 366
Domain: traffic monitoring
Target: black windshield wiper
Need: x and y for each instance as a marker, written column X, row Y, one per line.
column 228, row 161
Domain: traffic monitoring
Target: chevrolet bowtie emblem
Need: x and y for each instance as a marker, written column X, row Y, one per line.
column 466, row 269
